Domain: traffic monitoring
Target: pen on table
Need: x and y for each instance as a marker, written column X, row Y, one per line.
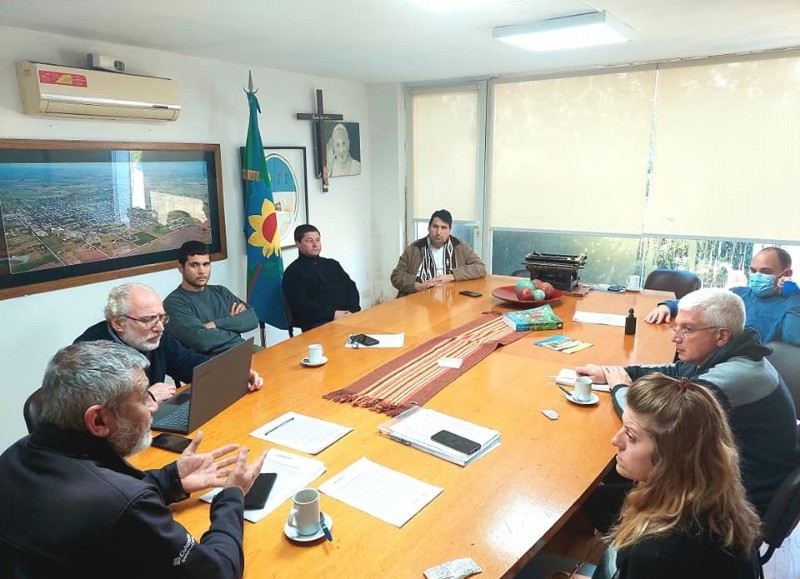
column 325, row 528
column 276, row 427
column 565, row 391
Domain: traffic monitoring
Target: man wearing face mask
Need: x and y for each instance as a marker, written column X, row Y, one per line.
column 770, row 311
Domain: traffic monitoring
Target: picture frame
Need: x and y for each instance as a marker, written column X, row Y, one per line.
column 286, row 166
column 351, row 164
column 80, row 212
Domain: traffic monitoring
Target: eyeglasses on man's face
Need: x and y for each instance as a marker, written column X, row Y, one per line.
column 150, row 321
column 683, row 332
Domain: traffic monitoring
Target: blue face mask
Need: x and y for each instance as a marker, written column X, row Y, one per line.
column 762, row 284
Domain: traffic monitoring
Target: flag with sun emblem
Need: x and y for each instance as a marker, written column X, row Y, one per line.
column 264, row 261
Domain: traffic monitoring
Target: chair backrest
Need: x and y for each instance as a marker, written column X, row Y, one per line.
column 783, row 514
column 32, row 409
column 786, row 359
column 674, row 280
column 289, row 317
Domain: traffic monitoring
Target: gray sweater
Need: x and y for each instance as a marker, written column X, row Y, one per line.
column 189, row 310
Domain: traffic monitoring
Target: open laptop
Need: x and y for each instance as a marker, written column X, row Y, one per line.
column 216, row 384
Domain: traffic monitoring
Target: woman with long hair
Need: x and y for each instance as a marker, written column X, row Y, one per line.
column 688, row 516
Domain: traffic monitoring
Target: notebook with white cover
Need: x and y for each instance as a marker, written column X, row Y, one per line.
column 416, row 425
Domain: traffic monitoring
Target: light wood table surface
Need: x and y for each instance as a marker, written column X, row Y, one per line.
column 499, row 510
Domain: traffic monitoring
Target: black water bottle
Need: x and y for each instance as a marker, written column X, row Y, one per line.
column 630, row 323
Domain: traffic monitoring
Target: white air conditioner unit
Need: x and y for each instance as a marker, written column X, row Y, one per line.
column 49, row 89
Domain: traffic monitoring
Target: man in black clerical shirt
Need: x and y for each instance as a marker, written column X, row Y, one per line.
column 317, row 289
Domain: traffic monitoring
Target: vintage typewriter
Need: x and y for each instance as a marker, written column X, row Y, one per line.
column 559, row 270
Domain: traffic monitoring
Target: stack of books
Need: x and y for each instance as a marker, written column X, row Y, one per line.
column 541, row 318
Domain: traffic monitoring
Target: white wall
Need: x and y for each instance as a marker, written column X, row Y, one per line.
column 33, row 327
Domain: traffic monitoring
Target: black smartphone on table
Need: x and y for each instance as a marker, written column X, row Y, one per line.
column 364, row 340
column 171, row 442
column 456, row 442
column 470, row 293
column 257, row 496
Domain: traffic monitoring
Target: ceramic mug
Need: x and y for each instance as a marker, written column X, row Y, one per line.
column 304, row 516
column 315, row 353
column 583, row 389
column 633, row 282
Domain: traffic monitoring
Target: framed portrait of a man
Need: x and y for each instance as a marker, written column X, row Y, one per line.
column 342, row 149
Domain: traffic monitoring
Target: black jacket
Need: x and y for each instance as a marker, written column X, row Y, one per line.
column 71, row 507
column 315, row 287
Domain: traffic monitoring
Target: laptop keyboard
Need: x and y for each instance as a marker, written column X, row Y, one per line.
column 179, row 418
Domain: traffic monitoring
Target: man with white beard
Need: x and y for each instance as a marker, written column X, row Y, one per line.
column 135, row 317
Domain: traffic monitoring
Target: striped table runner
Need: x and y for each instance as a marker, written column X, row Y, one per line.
column 415, row 377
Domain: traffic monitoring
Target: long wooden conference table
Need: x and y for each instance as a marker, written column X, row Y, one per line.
column 501, row 509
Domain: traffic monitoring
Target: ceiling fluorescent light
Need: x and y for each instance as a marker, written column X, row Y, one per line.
column 577, row 31
column 453, row 5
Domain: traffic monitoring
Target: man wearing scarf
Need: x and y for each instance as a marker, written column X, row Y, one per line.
column 436, row 259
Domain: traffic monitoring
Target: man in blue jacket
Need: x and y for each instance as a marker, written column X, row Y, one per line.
column 72, row 506
column 135, row 317
column 773, row 313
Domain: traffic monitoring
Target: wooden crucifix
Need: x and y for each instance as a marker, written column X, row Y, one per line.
column 318, row 117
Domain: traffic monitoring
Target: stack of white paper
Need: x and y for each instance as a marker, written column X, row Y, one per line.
column 567, row 377
column 301, row 432
column 416, row 426
column 295, row 472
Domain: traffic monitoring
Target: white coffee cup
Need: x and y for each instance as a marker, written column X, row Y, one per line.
column 583, row 389
column 315, row 353
column 633, row 282
column 304, row 516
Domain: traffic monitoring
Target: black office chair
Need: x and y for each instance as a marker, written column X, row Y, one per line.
column 32, row 409
column 673, row 280
column 289, row 321
column 782, row 516
column 289, row 317
column 786, row 359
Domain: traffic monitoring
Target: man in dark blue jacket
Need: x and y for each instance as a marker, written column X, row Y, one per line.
column 135, row 317
column 72, row 506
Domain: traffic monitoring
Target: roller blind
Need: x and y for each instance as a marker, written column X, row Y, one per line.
column 727, row 140
column 571, row 154
column 444, row 150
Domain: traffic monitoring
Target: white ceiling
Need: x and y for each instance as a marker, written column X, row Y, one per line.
column 374, row 41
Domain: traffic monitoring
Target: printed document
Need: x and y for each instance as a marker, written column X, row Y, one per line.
column 300, row 432
column 384, row 493
column 598, row 318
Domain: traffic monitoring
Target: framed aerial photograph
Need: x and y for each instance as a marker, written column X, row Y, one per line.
column 287, row 174
column 78, row 212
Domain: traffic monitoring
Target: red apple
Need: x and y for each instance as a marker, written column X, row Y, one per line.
column 548, row 290
column 537, row 283
column 524, row 290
